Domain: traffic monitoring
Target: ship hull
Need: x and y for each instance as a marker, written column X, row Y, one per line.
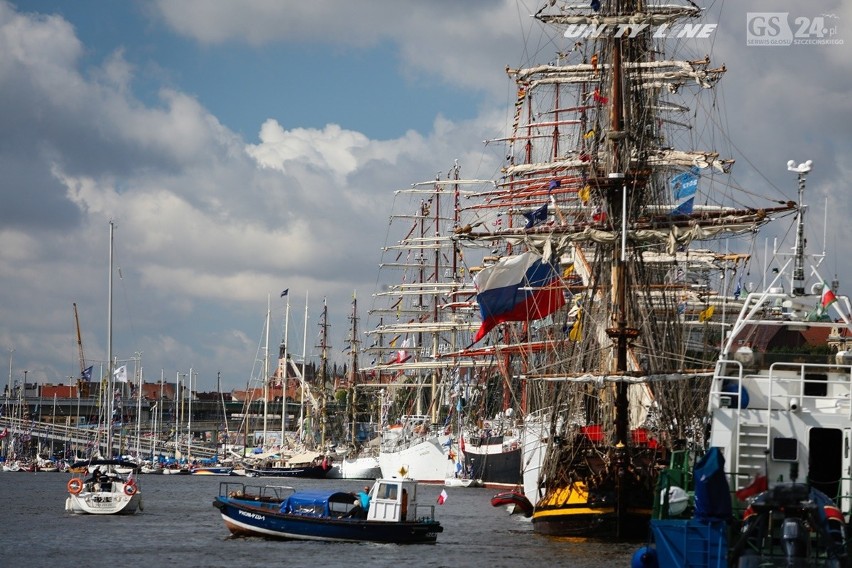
column 365, row 467
column 575, row 511
column 425, row 460
column 495, row 460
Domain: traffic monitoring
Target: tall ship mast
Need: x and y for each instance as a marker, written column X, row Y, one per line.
column 422, row 315
column 610, row 288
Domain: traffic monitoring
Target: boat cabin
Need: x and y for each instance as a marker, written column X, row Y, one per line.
column 780, row 401
column 393, row 500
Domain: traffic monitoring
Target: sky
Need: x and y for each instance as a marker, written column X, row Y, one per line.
column 242, row 148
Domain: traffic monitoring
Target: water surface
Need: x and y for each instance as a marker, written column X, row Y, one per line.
column 180, row 527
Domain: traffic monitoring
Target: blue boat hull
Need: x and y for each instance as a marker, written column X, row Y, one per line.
column 246, row 518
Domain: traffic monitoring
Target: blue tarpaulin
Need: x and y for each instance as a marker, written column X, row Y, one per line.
column 712, row 494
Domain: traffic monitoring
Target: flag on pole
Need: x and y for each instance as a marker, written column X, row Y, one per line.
column 684, row 187
column 535, row 217
column 442, row 498
column 517, row 288
column 120, row 374
column 285, row 292
column 86, row 375
column 706, row 314
column 828, row 297
column 576, row 332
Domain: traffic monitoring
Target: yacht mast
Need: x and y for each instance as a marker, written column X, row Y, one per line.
column 110, row 385
column 323, row 371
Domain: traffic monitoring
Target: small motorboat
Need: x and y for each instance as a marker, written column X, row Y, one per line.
column 462, row 482
column 515, row 501
column 393, row 514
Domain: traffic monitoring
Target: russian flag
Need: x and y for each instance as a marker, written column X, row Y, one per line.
column 517, row 288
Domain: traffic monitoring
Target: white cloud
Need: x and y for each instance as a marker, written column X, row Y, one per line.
column 206, row 224
column 210, row 223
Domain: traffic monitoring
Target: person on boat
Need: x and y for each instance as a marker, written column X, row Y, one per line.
column 362, row 504
column 364, row 498
column 96, row 474
column 105, row 481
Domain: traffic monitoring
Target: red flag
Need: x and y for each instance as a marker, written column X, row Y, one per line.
column 442, row 498
column 828, row 297
column 759, row 485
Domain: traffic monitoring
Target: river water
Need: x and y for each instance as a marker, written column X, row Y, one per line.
column 180, row 527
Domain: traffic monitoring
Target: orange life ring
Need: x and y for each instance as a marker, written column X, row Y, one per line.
column 130, row 489
column 75, row 485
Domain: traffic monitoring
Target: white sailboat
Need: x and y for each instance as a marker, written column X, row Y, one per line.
column 102, row 490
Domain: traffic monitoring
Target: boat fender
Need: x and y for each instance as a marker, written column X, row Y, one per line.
column 75, row 485
column 645, row 557
column 130, row 489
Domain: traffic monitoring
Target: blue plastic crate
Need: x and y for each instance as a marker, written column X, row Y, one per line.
column 690, row 543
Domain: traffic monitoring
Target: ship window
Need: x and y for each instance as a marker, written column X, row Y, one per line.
column 785, row 449
column 816, row 384
column 387, row 491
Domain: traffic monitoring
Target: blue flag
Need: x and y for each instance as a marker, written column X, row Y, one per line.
column 536, row 217
column 87, row 374
column 684, row 187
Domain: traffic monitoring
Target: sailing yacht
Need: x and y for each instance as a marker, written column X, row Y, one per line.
column 100, row 487
column 607, row 298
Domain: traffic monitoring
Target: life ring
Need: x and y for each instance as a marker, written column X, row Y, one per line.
column 130, row 489
column 75, row 485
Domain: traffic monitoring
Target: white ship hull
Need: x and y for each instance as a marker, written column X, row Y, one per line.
column 114, row 502
column 364, row 467
column 425, row 459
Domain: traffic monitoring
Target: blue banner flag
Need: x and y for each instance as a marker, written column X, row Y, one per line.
column 536, row 217
column 86, row 375
column 684, row 187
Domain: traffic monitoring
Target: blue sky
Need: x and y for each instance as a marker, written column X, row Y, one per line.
column 300, row 83
column 247, row 147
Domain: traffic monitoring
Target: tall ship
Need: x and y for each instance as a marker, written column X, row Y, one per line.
column 612, row 277
column 423, row 314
